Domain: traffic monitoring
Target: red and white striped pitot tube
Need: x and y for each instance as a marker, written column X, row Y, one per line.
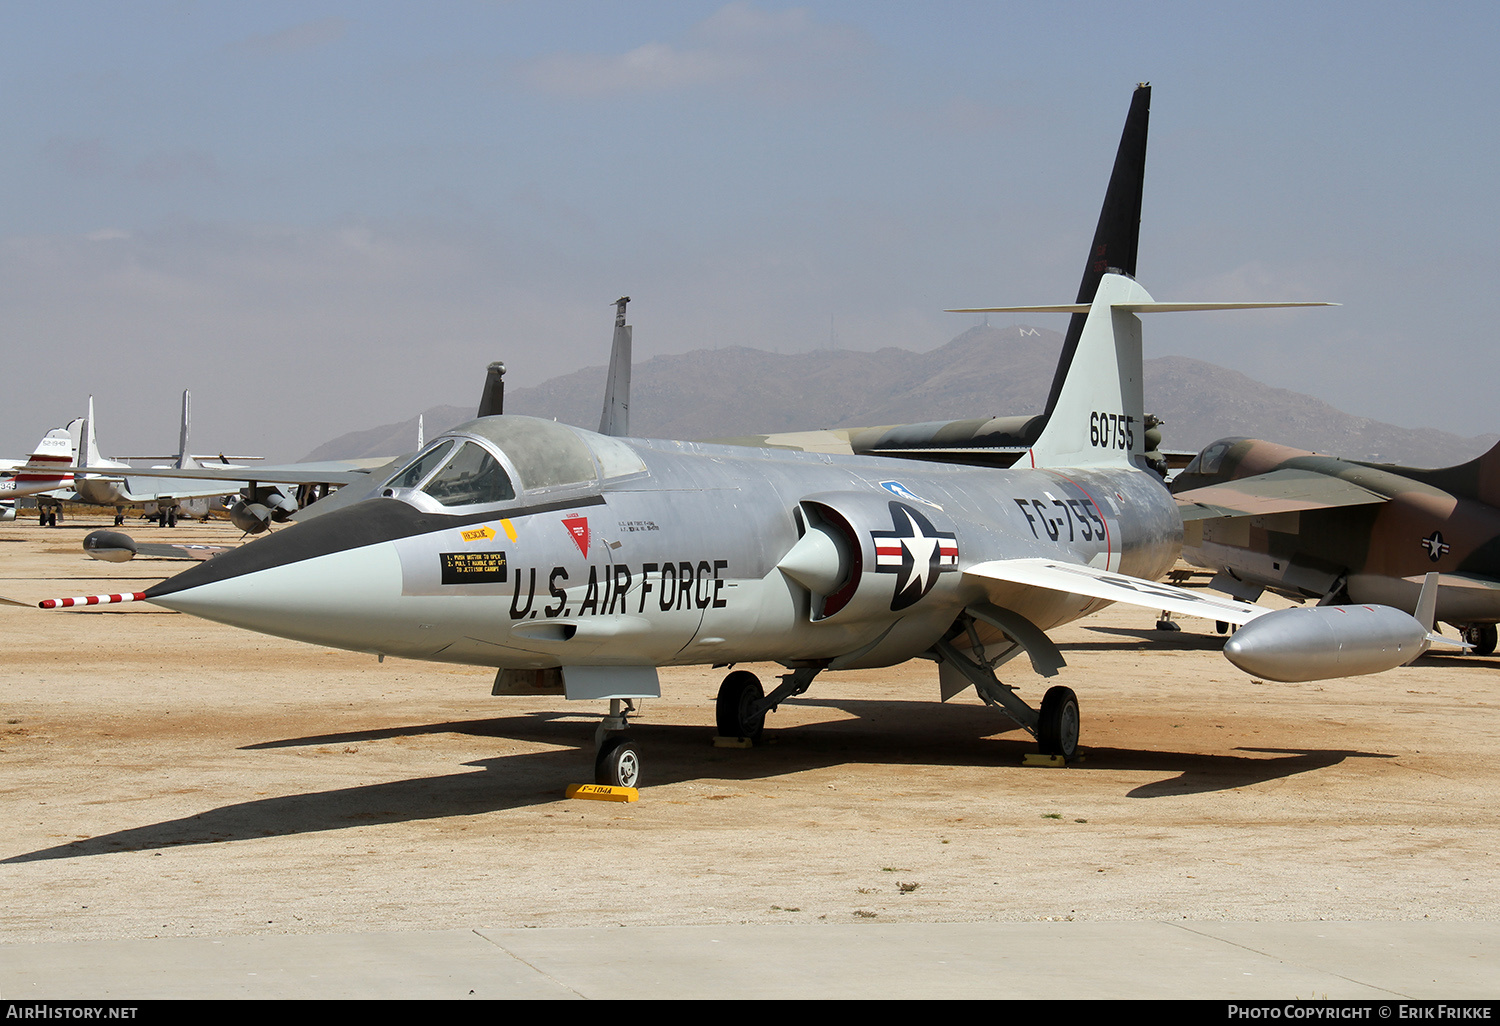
column 91, row 600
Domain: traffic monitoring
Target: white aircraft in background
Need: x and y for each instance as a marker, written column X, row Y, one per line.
column 52, row 477
column 46, row 476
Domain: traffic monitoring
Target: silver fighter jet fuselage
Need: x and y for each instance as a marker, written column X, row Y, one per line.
column 657, row 553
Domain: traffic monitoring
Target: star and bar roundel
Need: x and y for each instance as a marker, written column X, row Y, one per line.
column 915, row 551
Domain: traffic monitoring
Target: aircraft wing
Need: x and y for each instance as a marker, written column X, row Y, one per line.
column 340, row 472
column 1280, row 491
column 1076, row 579
column 155, row 483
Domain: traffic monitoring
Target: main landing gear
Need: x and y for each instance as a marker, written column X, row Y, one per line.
column 735, row 712
column 1482, row 636
column 1056, row 724
column 740, row 710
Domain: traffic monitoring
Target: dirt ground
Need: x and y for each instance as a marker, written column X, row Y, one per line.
column 166, row 776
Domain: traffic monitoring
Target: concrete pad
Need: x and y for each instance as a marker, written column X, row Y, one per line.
column 1043, row 961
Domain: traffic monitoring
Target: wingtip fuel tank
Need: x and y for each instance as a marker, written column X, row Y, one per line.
column 1320, row 642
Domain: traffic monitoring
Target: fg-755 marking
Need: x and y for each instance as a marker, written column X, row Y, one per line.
column 1075, row 511
column 1111, row 430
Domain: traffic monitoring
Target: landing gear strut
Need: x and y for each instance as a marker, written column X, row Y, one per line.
column 1056, row 724
column 618, row 761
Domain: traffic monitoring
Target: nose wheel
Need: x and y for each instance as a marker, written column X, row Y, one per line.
column 618, row 763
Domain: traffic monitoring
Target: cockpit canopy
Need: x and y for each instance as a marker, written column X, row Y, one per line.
column 1211, row 458
column 494, row 459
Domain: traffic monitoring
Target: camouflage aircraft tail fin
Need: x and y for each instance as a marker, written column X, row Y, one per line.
column 1479, row 478
column 1487, row 484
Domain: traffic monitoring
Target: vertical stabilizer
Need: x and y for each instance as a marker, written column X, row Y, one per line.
column 1117, row 236
column 492, row 399
column 1479, row 478
column 616, row 417
column 1097, row 416
column 88, row 454
column 185, row 461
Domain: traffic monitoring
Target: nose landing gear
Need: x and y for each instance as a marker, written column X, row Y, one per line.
column 618, row 761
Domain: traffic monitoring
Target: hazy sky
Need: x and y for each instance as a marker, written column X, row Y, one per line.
column 325, row 216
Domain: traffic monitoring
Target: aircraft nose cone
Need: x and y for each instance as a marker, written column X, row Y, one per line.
column 333, row 581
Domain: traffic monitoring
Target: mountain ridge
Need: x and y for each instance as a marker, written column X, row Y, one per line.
column 983, row 372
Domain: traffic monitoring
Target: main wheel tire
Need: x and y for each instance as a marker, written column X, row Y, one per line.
column 740, row 690
column 618, row 763
column 1057, row 726
column 1482, row 636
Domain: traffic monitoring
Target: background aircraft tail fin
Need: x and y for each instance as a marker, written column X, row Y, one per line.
column 1477, row 479
column 492, row 399
column 184, row 461
column 1118, row 233
column 615, row 420
column 88, row 443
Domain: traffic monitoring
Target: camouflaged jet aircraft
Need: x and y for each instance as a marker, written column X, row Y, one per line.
column 1267, row 516
column 577, row 563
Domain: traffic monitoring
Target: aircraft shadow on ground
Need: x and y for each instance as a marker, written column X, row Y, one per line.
column 883, row 733
column 1147, row 638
